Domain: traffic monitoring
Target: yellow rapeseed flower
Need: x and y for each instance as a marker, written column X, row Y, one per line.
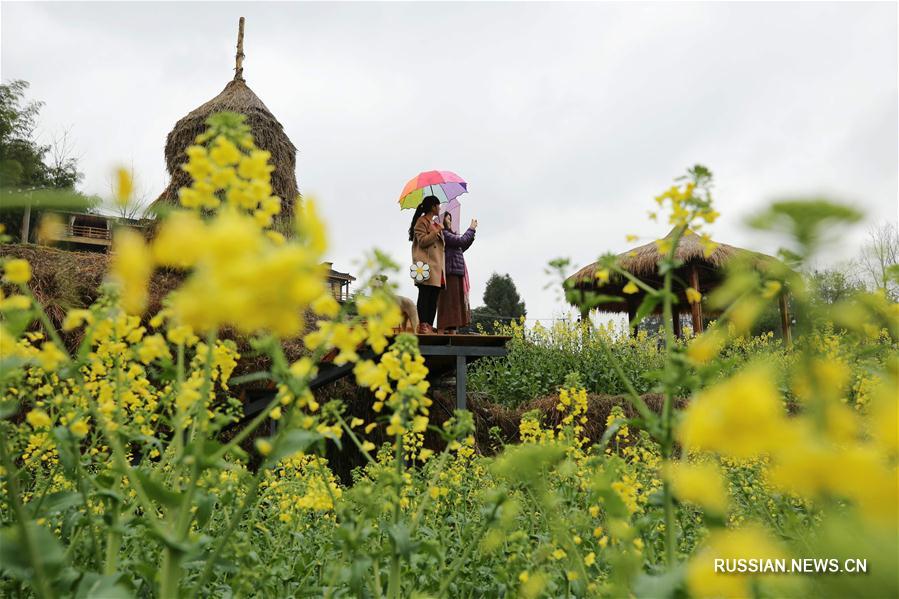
column 17, row 271
column 14, row 302
column 50, row 356
column 693, row 296
column 124, row 186
column 76, row 318
column 38, row 418
column 771, row 289
column 131, row 267
column 263, row 446
column 224, row 152
column 699, row 483
column 169, row 247
column 630, row 288
column 740, row 417
column 79, row 428
column 745, row 543
column 706, row 346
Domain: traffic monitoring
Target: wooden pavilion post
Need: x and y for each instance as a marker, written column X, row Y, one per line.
column 696, row 309
column 675, row 320
column 785, row 318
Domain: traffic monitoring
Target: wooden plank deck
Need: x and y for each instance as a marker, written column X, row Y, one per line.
column 442, row 354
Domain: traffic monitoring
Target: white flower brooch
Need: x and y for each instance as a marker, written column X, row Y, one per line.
column 420, row 271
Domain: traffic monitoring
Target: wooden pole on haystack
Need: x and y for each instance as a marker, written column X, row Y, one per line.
column 785, row 319
column 238, row 68
column 696, row 309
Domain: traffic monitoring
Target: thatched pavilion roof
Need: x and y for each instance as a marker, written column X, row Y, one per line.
column 267, row 131
column 642, row 262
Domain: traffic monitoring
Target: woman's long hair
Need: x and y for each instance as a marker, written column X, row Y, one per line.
column 425, row 207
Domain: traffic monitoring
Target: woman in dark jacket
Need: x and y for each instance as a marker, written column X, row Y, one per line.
column 452, row 307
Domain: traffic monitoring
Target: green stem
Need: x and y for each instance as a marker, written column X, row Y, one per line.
column 45, row 320
column 169, row 574
column 113, row 546
column 40, row 579
column 223, row 539
column 82, row 490
column 632, row 394
column 393, row 582
column 454, row 567
column 667, row 412
column 262, row 375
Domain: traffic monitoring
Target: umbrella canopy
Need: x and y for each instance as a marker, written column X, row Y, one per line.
column 444, row 185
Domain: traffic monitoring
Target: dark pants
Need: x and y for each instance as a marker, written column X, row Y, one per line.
column 427, row 303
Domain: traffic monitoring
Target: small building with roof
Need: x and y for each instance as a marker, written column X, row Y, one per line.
column 700, row 269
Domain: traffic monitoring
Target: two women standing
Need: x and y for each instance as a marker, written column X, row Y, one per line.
column 442, row 271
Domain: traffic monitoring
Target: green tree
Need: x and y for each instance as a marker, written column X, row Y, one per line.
column 833, row 285
column 21, row 158
column 26, row 165
column 879, row 256
column 501, row 303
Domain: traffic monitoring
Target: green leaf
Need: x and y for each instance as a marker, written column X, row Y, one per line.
column 108, row 587
column 157, row 491
column 613, row 429
column 8, row 408
column 292, row 442
column 16, row 558
column 44, row 198
column 57, row 502
column 402, row 539
column 205, row 503
column 650, row 301
column 67, row 456
column 589, row 299
column 665, row 586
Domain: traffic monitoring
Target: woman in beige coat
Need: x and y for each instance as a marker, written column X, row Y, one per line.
column 427, row 268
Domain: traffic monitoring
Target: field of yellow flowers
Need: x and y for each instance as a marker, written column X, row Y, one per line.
column 124, row 473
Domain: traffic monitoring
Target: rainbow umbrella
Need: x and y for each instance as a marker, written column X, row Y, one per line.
column 445, row 185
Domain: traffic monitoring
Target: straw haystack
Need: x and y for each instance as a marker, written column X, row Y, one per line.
column 267, row 131
column 703, row 273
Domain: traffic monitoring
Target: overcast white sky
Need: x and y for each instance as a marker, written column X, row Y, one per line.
column 565, row 119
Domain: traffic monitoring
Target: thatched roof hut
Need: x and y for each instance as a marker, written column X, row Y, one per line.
column 267, row 131
column 703, row 273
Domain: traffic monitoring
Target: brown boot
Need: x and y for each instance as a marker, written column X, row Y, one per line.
column 424, row 329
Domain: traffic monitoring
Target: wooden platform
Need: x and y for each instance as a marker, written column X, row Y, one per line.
column 442, row 354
